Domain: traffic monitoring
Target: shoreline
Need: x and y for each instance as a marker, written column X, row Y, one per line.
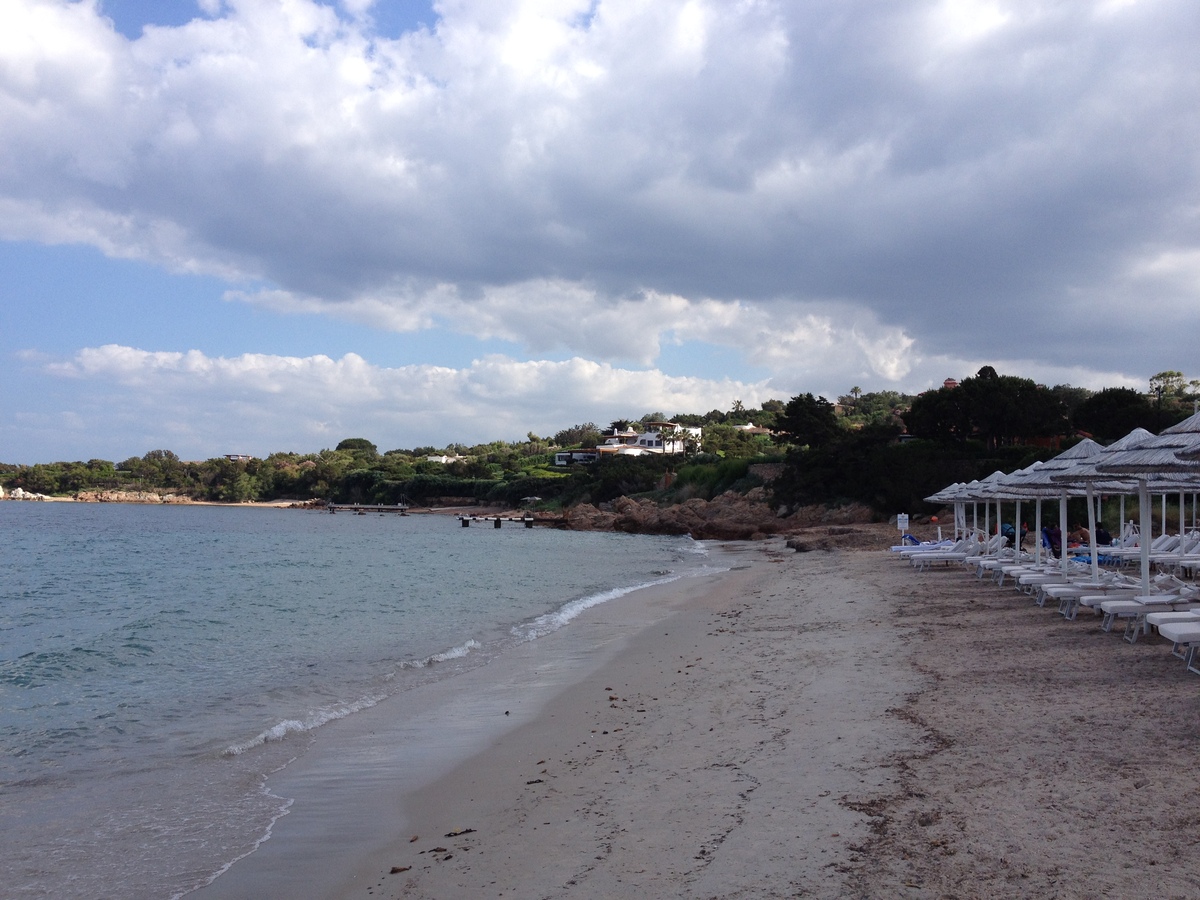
column 635, row 749
column 696, row 763
column 302, row 505
column 348, row 784
column 823, row 725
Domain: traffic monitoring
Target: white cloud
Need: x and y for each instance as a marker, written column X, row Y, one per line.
column 203, row 405
column 837, row 192
column 794, row 346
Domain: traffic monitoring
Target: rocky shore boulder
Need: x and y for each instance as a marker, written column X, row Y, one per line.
column 129, row 497
column 737, row 517
column 22, row 494
column 729, row 517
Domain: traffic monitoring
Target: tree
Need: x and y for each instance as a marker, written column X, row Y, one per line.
column 1070, row 397
column 1167, row 385
column 585, row 434
column 998, row 409
column 806, row 421
column 1114, row 412
column 359, row 447
column 1005, row 409
column 1173, row 395
column 943, row 415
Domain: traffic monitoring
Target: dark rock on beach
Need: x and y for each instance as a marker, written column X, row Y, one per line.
column 735, row 517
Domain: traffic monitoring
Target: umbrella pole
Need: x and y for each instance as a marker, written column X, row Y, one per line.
column 1062, row 528
column 1147, row 519
column 1017, row 529
column 1182, row 530
column 1092, row 534
column 1037, row 524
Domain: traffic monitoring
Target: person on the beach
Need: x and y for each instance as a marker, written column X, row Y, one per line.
column 1080, row 536
column 1103, row 538
column 1056, row 544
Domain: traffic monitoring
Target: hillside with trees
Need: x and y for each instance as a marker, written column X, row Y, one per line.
column 885, row 450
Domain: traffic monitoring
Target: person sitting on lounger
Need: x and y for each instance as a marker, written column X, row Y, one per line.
column 1055, row 536
column 1103, row 538
column 1080, row 536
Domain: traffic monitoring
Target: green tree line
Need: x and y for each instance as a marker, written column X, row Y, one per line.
column 884, row 449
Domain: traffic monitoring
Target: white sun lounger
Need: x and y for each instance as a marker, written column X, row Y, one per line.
column 922, row 561
column 1068, row 595
column 1136, row 608
column 1184, row 638
column 1181, row 616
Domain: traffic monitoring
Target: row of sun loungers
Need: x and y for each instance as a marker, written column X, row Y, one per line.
column 1172, row 605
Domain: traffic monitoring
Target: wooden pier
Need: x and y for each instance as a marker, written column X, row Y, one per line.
column 362, row 509
column 497, row 521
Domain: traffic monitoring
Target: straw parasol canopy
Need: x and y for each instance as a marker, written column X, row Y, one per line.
column 1155, row 462
column 1038, row 481
column 1158, row 455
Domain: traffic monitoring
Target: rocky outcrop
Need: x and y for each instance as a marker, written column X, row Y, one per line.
column 730, row 517
column 737, row 517
column 129, row 497
column 22, row 494
column 315, row 503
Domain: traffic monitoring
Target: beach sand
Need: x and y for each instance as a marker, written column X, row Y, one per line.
column 808, row 725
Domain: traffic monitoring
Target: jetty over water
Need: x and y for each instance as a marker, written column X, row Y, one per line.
column 498, row 521
column 363, row 508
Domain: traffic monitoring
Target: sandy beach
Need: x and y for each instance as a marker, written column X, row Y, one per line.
column 806, row 725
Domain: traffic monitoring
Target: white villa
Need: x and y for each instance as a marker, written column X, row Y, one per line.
column 659, row 437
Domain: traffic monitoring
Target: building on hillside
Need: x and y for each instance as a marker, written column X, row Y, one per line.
column 659, row 437
column 567, row 457
column 751, row 428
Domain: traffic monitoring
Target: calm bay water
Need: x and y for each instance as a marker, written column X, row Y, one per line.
column 157, row 663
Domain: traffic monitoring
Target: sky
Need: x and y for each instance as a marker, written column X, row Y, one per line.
column 247, row 226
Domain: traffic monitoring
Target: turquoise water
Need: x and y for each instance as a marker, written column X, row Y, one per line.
column 158, row 662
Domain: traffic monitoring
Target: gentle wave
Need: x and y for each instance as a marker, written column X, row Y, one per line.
column 446, row 655
column 285, row 806
column 321, row 717
column 315, row 720
column 551, row 622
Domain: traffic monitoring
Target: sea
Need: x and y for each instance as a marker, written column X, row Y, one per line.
column 159, row 665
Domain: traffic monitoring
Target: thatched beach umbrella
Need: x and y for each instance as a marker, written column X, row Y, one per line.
column 952, row 494
column 1155, row 458
column 1038, row 484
